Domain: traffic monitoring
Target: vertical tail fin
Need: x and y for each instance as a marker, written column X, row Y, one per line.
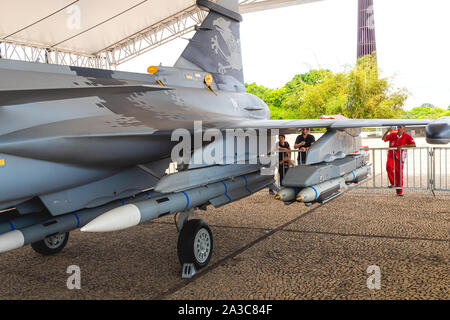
column 216, row 46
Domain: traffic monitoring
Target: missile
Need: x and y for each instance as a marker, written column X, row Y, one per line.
column 286, row 194
column 323, row 190
column 16, row 238
column 15, row 221
column 320, row 191
column 356, row 174
column 133, row 214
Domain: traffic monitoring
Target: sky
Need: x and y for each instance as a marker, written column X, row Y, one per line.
column 413, row 45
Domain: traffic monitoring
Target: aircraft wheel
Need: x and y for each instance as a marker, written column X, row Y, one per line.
column 51, row 244
column 195, row 243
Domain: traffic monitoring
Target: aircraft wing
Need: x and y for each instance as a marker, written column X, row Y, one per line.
column 287, row 126
column 437, row 131
column 165, row 123
column 117, row 140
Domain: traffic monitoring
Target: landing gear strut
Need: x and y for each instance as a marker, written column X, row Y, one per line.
column 51, row 244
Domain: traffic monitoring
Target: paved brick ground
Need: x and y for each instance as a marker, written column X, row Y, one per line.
column 263, row 250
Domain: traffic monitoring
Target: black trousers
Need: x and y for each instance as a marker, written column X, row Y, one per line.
column 282, row 171
column 302, row 157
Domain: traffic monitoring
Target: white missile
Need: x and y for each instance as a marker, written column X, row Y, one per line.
column 116, row 219
column 313, row 193
column 355, row 174
column 38, row 227
column 133, row 214
column 11, row 240
column 286, row 194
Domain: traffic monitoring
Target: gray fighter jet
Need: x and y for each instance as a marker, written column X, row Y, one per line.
column 87, row 148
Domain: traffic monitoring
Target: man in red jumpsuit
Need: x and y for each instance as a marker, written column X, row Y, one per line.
column 396, row 158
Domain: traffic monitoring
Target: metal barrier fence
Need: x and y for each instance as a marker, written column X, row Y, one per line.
column 421, row 168
column 440, row 168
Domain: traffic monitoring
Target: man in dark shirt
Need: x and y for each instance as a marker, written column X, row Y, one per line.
column 303, row 143
column 284, row 155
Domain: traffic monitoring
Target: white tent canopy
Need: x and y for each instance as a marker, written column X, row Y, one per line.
column 102, row 23
column 112, row 30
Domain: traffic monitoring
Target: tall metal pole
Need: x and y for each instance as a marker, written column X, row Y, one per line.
column 366, row 28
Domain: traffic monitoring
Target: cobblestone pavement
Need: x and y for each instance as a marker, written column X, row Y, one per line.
column 262, row 250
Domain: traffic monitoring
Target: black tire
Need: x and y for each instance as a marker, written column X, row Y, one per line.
column 187, row 247
column 45, row 248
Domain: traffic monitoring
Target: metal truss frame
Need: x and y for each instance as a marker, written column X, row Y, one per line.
column 154, row 36
column 150, row 38
column 23, row 52
column 249, row 6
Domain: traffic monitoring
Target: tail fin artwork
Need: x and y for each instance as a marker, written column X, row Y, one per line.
column 216, row 46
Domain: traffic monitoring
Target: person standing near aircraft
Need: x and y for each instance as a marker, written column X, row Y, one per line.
column 303, row 143
column 284, row 150
column 396, row 158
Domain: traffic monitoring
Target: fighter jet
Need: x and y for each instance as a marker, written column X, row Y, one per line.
column 88, row 148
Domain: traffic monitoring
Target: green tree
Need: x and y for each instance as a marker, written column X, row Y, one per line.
column 370, row 96
column 426, row 113
column 355, row 93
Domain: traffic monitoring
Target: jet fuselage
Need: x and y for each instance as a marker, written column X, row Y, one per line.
column 74, row 141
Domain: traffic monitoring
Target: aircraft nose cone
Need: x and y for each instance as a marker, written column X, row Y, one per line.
column 116, row 219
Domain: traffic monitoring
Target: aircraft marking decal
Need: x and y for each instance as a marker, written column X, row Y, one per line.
column 233, row 58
